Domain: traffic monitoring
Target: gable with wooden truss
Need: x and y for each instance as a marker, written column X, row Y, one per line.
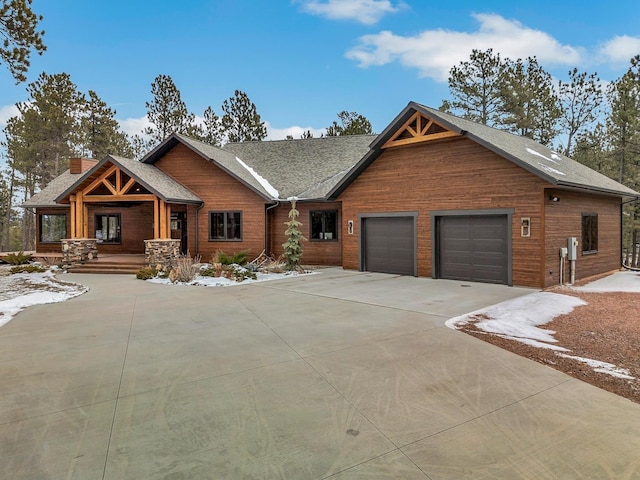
column 110, row 182
column 418, row 129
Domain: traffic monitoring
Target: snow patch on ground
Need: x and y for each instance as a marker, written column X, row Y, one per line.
column 201, row 281
column 520, row 319
column 618, row 282
column 23, row 290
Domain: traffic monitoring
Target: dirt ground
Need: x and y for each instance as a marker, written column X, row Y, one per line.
column 606, row 329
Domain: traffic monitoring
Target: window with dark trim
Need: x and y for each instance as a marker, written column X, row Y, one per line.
column 589, row 233
column 324, row 225
column 53, row 227
column 108, row 228
column 225, row 226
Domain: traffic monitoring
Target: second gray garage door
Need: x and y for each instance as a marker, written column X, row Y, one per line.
column 388, row 245
column 474, row 248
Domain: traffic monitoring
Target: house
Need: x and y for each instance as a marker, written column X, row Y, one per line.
column 433, row 195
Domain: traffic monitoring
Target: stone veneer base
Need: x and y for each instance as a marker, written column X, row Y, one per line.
column 161, row 253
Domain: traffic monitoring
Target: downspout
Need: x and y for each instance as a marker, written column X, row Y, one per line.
column 266, row 226
column 622, row 204
column 198, row 208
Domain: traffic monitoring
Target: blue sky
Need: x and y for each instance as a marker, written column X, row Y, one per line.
column 302, row 61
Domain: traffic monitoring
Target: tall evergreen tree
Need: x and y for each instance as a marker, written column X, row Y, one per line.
column 50, row 121
column 475, row 88
column 100, row 132
column 581, row 98
column 167, row 112
column 211, row 130
column 530, row 106
column 351, row 123
column 20, row 35
column 241, row 121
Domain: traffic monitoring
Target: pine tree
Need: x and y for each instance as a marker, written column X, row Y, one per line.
column 241, row 121
column 306, row 134
column 19, row 30
column 293, row 245
column 167, row 112
column 581, row 99
column 530, row 106
column 100, row 131
column 211, row 130
column 475, row 88
column 351, row 123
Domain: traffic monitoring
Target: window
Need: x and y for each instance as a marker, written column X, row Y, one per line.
column 589, row 233
column 225, row 226
column 324, row 225
column 108, row 228
column 53, row 228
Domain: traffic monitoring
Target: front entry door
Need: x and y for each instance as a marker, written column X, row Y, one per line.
column 179, row 229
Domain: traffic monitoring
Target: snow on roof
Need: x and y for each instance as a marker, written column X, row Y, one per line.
column 261, row 180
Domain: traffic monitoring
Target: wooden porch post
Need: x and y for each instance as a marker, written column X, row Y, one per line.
column 168, row 233
column 163, row 219
column 79, row 215
column 85, row 220
column 156, row 218
column 72, row 202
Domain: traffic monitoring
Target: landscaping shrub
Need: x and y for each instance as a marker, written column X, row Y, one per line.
column 184, row 270
column 27, row 269
column 19, row 258
column 239, row 258
column 146, row 273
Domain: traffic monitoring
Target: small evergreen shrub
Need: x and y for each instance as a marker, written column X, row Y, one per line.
column 293, row 245
column 146, row 273
column 239, row 258
column 27, row 269
column 19, row 258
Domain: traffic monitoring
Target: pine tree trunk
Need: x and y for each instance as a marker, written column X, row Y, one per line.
column 634, row 248
column 6, row 232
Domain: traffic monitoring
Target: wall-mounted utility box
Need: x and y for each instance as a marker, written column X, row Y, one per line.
column 563, row 252
column 525, row 227
column 572, row 245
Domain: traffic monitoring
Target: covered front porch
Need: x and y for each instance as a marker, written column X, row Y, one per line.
column 123, row 207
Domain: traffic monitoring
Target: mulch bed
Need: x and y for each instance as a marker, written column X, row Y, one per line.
column 607, row 329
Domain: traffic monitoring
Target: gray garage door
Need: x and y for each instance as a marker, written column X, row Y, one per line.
column 474, row 248
column 389, row 245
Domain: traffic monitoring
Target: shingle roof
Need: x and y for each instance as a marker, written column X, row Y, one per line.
column 47, row 196
column 227, row 161
column 306, row 168
column 153, row 179
column 552, row 166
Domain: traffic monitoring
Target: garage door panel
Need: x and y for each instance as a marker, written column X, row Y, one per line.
column 473, row 248
column 389, row 245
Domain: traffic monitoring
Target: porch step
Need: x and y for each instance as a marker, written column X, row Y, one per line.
column 107, row 267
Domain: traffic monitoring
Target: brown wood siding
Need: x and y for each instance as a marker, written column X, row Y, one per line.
column 327, row 252
column 563, row 219
column 136, row 226
column 51, row 247
column 454, row 174
column 220, row 192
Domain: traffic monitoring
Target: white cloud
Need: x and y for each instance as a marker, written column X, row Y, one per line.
column 434, row 52
column 363, row 11
column 134, row 126
column 620, row 49
column 6, row 112
column 295, row 131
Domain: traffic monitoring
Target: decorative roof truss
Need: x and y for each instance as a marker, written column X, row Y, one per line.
column 418, row 129
column 115, row 184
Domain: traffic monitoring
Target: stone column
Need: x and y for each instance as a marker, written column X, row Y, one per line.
column 78, row 250
column 161, row 253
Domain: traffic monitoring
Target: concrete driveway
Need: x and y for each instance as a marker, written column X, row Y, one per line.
column 338, row 375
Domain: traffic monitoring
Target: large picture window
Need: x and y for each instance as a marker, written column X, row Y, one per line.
column 53, row 228
column 324, row 224
column 589, row 233
column 108, row 228
column 225, row 226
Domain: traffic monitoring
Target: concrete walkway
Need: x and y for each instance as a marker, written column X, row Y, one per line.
column 338, row 375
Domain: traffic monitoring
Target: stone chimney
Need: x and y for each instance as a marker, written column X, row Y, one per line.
column 80, row 165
